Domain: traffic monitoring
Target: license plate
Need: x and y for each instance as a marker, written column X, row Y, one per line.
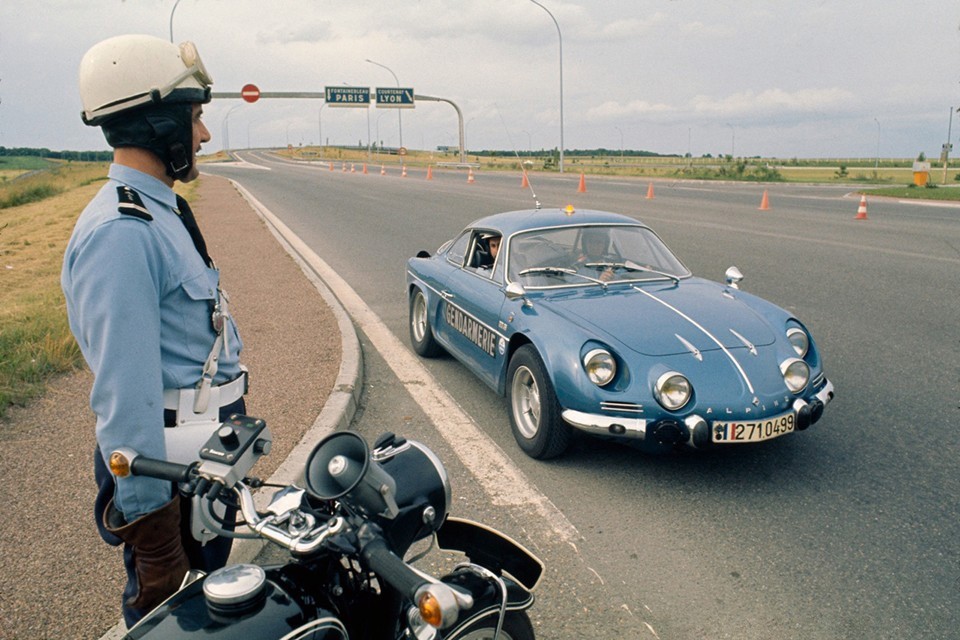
column 735, row 432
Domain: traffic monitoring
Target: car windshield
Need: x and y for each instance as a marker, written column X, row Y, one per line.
column 589, row 256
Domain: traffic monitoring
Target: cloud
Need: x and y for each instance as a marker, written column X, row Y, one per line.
column 767, row 105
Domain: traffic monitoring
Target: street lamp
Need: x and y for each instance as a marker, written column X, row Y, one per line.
column 560, row 36
column 399, row 111
column 225, row 133
column 171, row 18
column 876, row 164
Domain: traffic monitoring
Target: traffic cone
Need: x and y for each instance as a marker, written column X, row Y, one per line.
column 862, row 211
column 470, row 179
column 583, row 184
column 331, row 166
column 403, row 171
column 383, row 170
column 650, row 192
column 524, row 183
column 429, row 172
column 764, row 201
column 353, row 168
column 365, row 168
column 344, row 166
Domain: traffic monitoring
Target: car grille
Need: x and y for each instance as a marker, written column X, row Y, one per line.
column 623, row 407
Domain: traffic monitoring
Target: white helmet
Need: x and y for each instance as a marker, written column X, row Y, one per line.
column 130, row 71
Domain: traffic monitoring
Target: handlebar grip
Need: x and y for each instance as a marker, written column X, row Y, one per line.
column 388, row 566
column 160, row 469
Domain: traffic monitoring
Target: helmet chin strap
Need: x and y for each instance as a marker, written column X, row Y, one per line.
column 178, row 162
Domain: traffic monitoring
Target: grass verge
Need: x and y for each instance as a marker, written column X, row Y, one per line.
column 35, row 339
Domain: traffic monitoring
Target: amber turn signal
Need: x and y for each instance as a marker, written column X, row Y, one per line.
column 119, row 464
column 430, row 609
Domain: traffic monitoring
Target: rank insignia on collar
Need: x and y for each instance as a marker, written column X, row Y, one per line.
column 130, row 204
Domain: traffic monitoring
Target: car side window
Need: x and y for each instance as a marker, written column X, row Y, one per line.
column 458, row 250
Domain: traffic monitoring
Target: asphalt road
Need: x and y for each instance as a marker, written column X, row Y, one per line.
column 849, row 530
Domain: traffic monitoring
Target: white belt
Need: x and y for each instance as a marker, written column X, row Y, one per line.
column 183, row 400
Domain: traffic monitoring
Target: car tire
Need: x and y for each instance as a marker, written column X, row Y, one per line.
column 421, row 332
column 534, row 411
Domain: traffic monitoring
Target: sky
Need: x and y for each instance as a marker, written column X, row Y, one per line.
column 773, row 78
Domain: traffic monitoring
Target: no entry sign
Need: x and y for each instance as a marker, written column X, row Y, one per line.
column 250, row 92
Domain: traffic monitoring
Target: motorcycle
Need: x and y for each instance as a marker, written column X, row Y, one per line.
column 347, row 535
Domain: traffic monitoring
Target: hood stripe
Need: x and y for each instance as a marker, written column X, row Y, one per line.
column 743, row 373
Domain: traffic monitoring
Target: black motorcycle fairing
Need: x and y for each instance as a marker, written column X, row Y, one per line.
column 491, row 549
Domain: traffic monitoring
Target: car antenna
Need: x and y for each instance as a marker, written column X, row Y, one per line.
column 536, row 202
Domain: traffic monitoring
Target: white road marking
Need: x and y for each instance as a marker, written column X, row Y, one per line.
column 503, row 481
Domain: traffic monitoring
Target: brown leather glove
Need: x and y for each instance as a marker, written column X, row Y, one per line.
column 157, row 550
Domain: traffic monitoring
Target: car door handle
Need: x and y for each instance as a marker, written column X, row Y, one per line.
column 447, row 295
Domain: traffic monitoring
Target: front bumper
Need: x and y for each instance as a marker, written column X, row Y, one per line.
column 693, row 430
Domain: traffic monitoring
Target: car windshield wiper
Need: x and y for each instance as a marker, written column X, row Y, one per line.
column 561, row 270
column 630, row 265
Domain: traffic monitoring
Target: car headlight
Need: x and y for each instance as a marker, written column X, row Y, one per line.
column 601, row 367
column 672, row 390
column 799, row 339
column 796, row 374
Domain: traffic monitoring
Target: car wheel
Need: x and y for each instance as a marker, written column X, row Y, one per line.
column 534, row 410
column 421, row 333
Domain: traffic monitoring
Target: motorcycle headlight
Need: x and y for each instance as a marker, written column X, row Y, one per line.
column 601, row 367
column 796, row 374
column 799, row 339
column 672, row 390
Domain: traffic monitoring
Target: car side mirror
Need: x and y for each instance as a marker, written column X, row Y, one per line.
column 515, row 291
column 423, row 254
column 734, row 276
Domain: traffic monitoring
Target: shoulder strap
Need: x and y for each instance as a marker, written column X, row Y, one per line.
column 130, row 204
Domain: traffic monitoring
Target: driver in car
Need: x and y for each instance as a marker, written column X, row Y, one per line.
column 595, row 248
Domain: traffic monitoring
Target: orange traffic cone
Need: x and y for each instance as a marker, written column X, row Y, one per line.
column 331, row 166
column 764, row 201
column 470, row 179
column 582, row 188
column 525, row 182
column 353, row 168
column 365, row 168
column 862, row 211
column 344, row 166
column 383, row 170
column 403, row 171
column 429, row 172
column 650, row 192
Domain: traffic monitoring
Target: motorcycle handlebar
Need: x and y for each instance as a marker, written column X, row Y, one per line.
column 160, row 469
column 391, row 568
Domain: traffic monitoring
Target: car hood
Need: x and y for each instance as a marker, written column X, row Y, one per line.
column 667, row 319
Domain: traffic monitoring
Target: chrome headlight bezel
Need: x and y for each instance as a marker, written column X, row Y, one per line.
column 800, row 340
column 673, row 390
column 600, row 366
column 796, row 374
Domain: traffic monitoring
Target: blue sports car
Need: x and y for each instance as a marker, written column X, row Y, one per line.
column 586, row 320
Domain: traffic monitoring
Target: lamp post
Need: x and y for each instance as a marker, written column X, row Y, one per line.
column 560, row 36
column 399, row 118
column 171, row 18
column 876, row 164
column 226, row 128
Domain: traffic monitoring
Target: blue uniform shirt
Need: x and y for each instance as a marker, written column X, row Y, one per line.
column 139, row 299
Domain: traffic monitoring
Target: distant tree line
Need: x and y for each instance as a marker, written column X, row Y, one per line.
column 89, row 156
column 575, row 152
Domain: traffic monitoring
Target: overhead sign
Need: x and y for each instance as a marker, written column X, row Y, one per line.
column 395, row 97
column 347, row 96
column 250, row 93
